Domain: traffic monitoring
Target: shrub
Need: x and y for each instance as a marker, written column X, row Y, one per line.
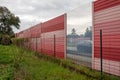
column 19, row 41
column 5, row 40
column 0, row 38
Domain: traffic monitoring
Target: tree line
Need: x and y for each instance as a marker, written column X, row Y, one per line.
column 7, row 21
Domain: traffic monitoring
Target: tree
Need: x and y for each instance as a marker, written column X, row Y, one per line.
column 7, row 21
column 73, row 31
column 88, row 33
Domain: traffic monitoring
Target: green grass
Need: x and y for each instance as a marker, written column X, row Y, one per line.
column 21, row 64
column 6, row 59
column 31, row 67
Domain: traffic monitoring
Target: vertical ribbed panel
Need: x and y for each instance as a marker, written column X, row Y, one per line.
column 107, row 18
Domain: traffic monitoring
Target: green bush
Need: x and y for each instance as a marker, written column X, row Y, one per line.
column 18, row 41
column 0, row 38
column 5, row 40
column 21, row 42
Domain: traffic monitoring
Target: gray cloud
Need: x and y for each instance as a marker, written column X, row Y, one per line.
column 32, row 12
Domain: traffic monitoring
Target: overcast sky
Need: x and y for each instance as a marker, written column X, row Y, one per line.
column 32, row 12
column 80, row 18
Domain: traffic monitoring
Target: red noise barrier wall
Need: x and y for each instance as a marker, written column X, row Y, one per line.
column 53, row 35
column 107, row 18
column 48, row 37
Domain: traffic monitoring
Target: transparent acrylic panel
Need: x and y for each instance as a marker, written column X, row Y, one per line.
column 79, row 34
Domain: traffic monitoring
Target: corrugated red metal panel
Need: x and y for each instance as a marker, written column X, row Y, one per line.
column 38, row 46
column 103, row 4
column 35, row 31
column 52, row 25
column 26, row 33
column 20, row 34
column 109, row 23
column 50, row 45
column 109, row 66
column 107, row 18
column 60, row 43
